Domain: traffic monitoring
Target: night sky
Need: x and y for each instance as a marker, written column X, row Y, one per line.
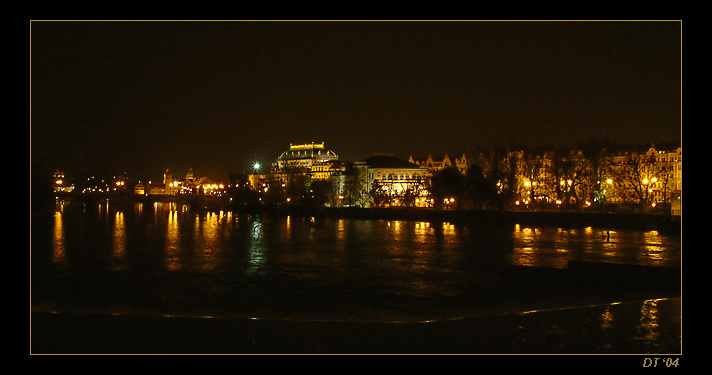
column 140, row 97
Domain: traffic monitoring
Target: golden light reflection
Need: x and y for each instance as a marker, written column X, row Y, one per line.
column 653, row 246
column 340, row 229
column 397, row 228
column 119, row 239
column 524, row 256
column 58, row 254
column 606, row 319
column 649, row 323
column 421, row 231
column 210, row 237
column 448, row 229
column 611, row 246
column 172, row 262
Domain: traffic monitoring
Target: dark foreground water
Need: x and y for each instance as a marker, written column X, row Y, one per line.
column 160, row 262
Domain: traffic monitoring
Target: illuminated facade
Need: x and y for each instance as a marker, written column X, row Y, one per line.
column 436, row 164
column 646, row 178
column 191, row 184
column 651, row 178
column 386, row 180
column 60, row 183
column 305, row 156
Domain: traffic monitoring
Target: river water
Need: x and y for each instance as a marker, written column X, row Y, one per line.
column 164, row 260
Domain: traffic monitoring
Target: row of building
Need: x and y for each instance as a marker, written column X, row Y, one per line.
column 551, row 177
column 529, row 179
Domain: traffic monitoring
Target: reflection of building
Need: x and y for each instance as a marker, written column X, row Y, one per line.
column 304, row 156
column 389, row 180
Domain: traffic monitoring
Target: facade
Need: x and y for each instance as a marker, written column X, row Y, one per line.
column 557, row 177
column 651, row 177
column 304, row 156
column 191, row 184
column 60, row 183
column 386, row 180
column 436, row 164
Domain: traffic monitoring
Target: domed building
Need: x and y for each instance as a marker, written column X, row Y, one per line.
column 304, row 156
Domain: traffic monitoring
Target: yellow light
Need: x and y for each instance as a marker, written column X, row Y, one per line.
column 645, row 181
column 655, row 179
column 527, row 183
column 609, row 181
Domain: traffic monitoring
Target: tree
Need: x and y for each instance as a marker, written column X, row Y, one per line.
column 479, row 190
column 571, row 171
column 239, row 190
column 532, row 166
column 320, row 192
column 448, row 183
column 636, row 175
column 596, row 152
column 378, row 193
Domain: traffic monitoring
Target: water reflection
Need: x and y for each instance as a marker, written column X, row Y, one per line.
column 119, row 240
column 420, row 245
column 555, row 247
column 58, row 253
column 648, row 326
column 172, row 230
column 173, row 257
column 257, row 251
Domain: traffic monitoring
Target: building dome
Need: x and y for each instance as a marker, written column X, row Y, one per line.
column 305, row 155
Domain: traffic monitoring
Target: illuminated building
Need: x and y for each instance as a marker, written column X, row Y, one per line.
column 437, row 164
column 620, row 176
column 391, row 181
column 652, row 177
column 60, row 183
column 310, row 160
column 304, row 156
column 168, row 187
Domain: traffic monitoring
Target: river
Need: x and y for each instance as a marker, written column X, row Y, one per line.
column 164, row 260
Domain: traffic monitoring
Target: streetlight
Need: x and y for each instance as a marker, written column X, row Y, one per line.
column 256, row 167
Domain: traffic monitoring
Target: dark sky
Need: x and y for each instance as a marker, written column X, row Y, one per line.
column 140, row 97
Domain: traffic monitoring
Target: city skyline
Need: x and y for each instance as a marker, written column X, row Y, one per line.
column 215, row 96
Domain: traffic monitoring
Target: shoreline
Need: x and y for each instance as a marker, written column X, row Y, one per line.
column 667, row 224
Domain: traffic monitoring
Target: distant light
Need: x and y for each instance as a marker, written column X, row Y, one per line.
column 256, row 166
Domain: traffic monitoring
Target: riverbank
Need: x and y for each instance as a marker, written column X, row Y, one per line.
column 666, row 224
